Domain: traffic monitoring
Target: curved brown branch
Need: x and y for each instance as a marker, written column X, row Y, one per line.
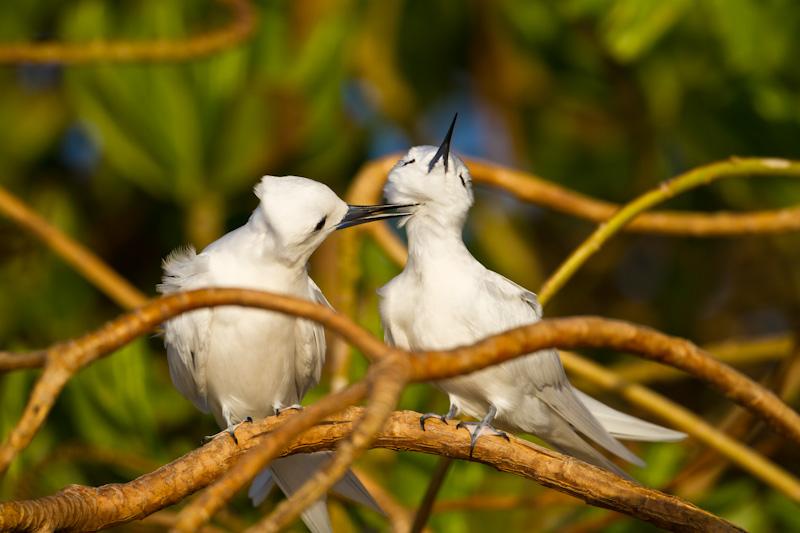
column 720, row 224
column 79, row 508
column 65, row 359
column 242, row 25
column 593, row 332
column 83, row 260
column 737, row 353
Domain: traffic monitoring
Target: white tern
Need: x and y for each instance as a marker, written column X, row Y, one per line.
column 445, row 298
column 240, row 363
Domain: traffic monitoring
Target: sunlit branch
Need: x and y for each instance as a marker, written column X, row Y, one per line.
column 65, row 359
column 736, row 353
column 86, row 508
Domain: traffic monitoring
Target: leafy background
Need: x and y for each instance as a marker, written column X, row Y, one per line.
column 607, row 97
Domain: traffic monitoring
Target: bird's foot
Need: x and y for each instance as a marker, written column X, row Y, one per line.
column 231, row 430
column 450, row 414
column 479, row 429
column 208, row 438
column 426, row 416
column 296, row 407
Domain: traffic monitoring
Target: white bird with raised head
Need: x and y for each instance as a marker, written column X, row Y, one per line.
column 445, row 298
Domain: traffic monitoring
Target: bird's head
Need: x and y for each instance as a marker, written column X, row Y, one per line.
column 299, row 213
column 433, row 178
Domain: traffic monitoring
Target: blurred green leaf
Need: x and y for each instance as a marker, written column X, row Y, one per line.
column 112, row 397
column 631, row 27
column 14, row 387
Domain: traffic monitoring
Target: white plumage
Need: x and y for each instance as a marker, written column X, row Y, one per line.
column 445, row 298
column 240, row 363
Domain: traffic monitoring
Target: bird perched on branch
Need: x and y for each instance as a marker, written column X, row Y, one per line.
column 445, row 298
column 240, row 363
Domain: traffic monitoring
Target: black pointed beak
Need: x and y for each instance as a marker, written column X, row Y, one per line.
column 359, row 214
column 444, row 149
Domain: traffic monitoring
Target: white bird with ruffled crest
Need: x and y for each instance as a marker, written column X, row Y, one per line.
column 240, row 363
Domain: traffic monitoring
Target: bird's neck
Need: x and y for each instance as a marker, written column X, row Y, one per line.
column 265, row 246
column 431, row 239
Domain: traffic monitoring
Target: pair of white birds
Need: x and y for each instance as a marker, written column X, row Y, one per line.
column 244, row 363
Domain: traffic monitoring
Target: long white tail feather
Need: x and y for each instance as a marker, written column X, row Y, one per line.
column 625, row 426
column 351, row 488
column 290, row 473
column 569, row 408
column 293, row 471
column 563, row 438
column 262, row 485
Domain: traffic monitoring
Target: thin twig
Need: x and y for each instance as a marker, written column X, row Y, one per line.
column 14, row 361
column 435, row 484
column 344, row 299
column 242, row 25
column 739, row 425
column 694, row 178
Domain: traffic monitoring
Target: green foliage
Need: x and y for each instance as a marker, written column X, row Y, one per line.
column 608, row 97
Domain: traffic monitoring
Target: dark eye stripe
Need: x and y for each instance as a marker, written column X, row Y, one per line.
column 464, row 183
column 321, row 223
column 409, row 162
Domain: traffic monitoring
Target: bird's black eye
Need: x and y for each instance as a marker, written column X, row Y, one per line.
column 321, row 223
column 409, row 162
column 464, row 183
